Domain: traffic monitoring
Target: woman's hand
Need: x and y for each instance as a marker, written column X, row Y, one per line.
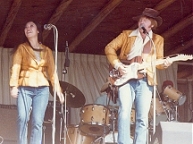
column 14, row 92
column 60, row 96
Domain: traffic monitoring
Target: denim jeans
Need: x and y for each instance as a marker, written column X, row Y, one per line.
column 31, row 100
column 139, row 92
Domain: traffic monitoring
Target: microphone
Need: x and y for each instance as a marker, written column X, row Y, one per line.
column 48, row 26
column 144, row 30
column 67, row 61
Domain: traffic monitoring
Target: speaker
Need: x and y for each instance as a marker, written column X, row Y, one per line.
column 173, row 133
column 8, row 125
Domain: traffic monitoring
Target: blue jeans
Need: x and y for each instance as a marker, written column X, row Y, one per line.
column 139, row 92
column 31, row 100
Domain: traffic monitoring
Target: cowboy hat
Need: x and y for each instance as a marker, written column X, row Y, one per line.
column 152, row 13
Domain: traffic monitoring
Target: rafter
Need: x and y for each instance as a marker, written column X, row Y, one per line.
column 164, row 4
column 9, row 20
column 56, row 16
column 180, row 48
column 179, row 26
column 94, row 23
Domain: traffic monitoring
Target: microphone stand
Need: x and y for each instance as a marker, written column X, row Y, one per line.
column 66, row 64
column 55, row 31
column 154, row 78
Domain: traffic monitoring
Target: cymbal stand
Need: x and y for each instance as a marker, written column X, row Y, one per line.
column 113, row 125
column 176, row 114
column 63, row 119
column 66, row 65
column 44, row 135
column 191, row 109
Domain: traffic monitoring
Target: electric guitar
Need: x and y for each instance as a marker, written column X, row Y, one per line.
column 133, row 70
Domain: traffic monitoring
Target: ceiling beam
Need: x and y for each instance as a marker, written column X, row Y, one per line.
column 179, row 26
column 180, row 48
column 9, row 20
column 56, row 16
column 163, row 4
column 94, row 23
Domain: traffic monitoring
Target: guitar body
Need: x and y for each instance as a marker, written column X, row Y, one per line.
column 132, row 72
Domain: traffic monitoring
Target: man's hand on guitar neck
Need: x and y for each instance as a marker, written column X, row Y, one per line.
column 167, row 62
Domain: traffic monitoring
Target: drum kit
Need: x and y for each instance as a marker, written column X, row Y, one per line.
column 98, row 123
column 166, row 105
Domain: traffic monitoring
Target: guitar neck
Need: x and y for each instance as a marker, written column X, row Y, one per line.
column 161, row 61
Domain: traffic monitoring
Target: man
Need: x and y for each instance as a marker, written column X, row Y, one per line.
column 136, row 46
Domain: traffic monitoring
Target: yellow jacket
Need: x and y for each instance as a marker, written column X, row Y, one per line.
column 123, row 43
column 27, row 71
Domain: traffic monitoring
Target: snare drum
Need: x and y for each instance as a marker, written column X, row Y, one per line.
column 75, row 136
column 94, row 120
column 174, row 95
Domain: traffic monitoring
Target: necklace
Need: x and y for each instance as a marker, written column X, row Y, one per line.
column 35, row 49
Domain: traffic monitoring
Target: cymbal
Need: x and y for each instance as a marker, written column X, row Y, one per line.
column 74, row 97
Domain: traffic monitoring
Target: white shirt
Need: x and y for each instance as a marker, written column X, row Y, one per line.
column 138, row 45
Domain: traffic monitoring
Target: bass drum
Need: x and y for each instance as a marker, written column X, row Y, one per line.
column 75, row 136
column 94, row 120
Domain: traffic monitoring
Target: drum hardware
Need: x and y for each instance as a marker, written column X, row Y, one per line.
column 74, row 98
column 75, row 136
column 165, row 111
column 174, row 95
column 44, row 135
column 1, row 138
column 191, row 109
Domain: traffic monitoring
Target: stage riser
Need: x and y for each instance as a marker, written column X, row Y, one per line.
column 173, row 133
column 8, row 126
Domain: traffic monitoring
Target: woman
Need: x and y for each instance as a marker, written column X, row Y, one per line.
column 32, row 64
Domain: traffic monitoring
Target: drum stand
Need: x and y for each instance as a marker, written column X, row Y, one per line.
column 63, row 119
column 113, row 125
column 101, row 139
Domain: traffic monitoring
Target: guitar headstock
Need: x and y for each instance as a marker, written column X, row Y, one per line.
column 184, row 57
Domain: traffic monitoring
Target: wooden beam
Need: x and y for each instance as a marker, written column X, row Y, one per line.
column 179, row 26
column 180, row 48
column 9, row 20
column 56, row 16
column 94, row 23
column 164, row 4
